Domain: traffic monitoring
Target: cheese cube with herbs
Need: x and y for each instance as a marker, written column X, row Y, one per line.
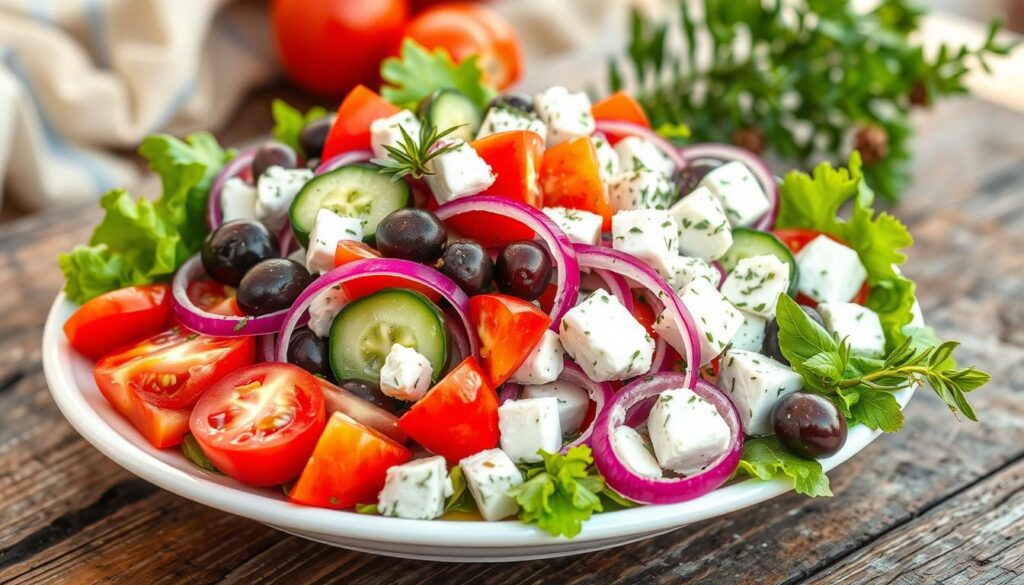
column 741, row 195
column 755, row 383
column 715, row 319
column 489, row 476
column 324, row 307
column 573, row 402
column 755, row 284
column 582, row 227
column 416, row 490
column 506, row 119
column 631, row 449
column 606, row 157
column 751, row 334
column 458, row 172
column 648, row 234
column 605, row 340
column 529, row 425
column 636, row 153
column 544, row 362
column 237, row 200
column 704, row 230
column 858, row 325
column 641, row 189
column 386, row 132
column 566, row 114
column 686, row 431
column 686, row 269
column 829, row 271
column 405, row 374
column 329, row 228
column 275, row 190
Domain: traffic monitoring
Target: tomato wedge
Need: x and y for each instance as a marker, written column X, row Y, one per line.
column 162, row 427
column 570, row 176
column 118, row 318
column 509, row 328
column 260, row 424
column 348, row 465
column 515, row 158
column 622, row 107
column 458, row 416
column 643, row 312
column 351, row 129
column 795, row 239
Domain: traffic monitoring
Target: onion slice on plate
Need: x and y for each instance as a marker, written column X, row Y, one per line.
column 233, row 168
column 600, row 392
column 345, row 158
column 638, row 397
column 618, row 287
column 622, row 128
column 724, row 153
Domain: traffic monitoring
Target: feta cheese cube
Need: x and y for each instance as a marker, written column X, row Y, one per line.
column 573, row 402
column 329, row 228
column 405, row 374
column 388, row 132
column 755, row 383
column 714, row 318
column 632, row 451
column 636, row 153
column 829, row 271
column 859, row 325
column 489, row 476
column 566, row 114
column 543, row 364
column 237, row 200
column 275, row 190
column 741, row 195
column 605, row 340
column 686, row 269
column 640, row 189
column 416, row 489
column 582, row 227
column 606, row 156
column 458, row 172
column 751, row 334
column 650, row 235
column 686, row 431
column 528, row 425
column 324, row 308
column 755, row 284
column 504, row 119
column 704, row 230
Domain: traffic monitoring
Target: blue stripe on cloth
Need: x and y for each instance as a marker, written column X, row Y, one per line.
column 177, row 101
column 40, row 10
column 239, row 37
column 97, row 20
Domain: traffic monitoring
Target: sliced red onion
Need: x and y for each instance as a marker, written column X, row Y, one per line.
column 509, row 391
column 618, row 287
column 286, row 239
column 567, row 270
column 233, row 168
column 371, row 267
column 600, row 392
column 208, row 323
column 345, row 158
column 460, row 349
column 634, row 269
column 721, row 272
column 662, row 356
column 266, row 347
column 622, row 128
column 724, row 153
column 340, row 400
column 639, row 396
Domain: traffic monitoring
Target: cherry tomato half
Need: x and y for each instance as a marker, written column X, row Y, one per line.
column 118, row 318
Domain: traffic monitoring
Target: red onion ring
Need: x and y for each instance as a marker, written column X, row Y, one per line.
column 345, row 158
column 460, row 349
column 567, row 270
column 509, row 391
column 639, row 396
column 660, row 362
column 621, row 128
column 618, row 287
column 723, row 153
column 721, row 272
column 634, row 269
column 600, row 392
column 340, row 400
column 233, row 168
column 266, row 348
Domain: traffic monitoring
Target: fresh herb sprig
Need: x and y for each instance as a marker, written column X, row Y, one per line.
column 411, row 156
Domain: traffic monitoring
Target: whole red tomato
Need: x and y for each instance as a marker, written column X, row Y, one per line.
column 329, row 46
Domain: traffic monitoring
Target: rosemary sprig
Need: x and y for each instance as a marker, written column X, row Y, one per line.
column 411, row 156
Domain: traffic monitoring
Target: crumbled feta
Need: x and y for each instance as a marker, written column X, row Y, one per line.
column 632, row 451
column 640, row 189
column 415, row 490
column 489, row 476
column 573, row 402
column 755, row 284
column 388, row 132
column 529, row 425
column 606, row 156
column 755, row 383
column 741, row 195
column 582, row 227
column 715, row 319
column 275, row 190
column 686, row 431
column 605, row 340
column 504, row 119
column 405, row 374
column 566, row 114
column 751, row 334
column 324, row 308
column 829, row 271
column 329, row 228
column 458, row 172
column 650, row 235
column 636, row 153
column 237, row 200
column 858, row 325
column 544, row 362
column 704, row 230
column 686, row 269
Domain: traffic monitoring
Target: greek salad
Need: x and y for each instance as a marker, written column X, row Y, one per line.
column 528, row 306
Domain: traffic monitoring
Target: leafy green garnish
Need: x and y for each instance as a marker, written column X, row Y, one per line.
column 417, row 73
column 191, row 450
column 460, row 500
column 561, row 492
column 140, row 241
column 289, row 121
column 765, row 458
column 411, row 156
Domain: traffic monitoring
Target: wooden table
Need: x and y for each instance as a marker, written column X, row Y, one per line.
column 939, row 502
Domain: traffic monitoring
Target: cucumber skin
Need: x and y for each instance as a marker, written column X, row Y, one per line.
column 766, row 243
column 429, row 109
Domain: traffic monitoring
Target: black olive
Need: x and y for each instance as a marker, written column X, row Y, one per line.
column 372, row 394
column 691, row 175
column 809, row 425
column 468, row 264
column 272, row 285
column 270, row 154
column 513, row 100
column 523, row 270
column 235, row 247
column 411, row 234
column 313, row 136
column 770, row 345
column 309, row 352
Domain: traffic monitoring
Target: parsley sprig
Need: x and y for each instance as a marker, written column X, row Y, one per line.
column 411, row 156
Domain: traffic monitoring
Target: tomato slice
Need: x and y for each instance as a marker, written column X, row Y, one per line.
column 351, row 129
column 570, row 176
column 213, row 297
column 509, row 328
column 546, row 300
column 795, row 239
column 162, row 427
column 620, row 106
column 643, row 312
column 260, row 424
column 348, row 465
column 458, row 416
column 515, row 158
column 118, row 318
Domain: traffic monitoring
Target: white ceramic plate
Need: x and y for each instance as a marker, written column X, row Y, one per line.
column 69, row 376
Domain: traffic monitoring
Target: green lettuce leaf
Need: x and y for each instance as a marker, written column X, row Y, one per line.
column 289, row 121
column 765, row 458
column 417, row 73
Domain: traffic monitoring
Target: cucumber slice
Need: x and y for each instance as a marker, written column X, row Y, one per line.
column 446, row 108
column 363, row 332
column 355, row 190
column 748, row 242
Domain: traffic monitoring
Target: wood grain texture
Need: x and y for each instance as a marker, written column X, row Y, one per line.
column 938, row 501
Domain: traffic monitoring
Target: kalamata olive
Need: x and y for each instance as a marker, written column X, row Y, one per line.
column 272, row 285
column 523, row 270
column 371, row 393
column 690, row 176
column 770, row 345
column 313, row 136
column 235, row 247
column 309, row 351
column 514, row 100
column 411, row 234
column 809, row 425
column 271, row 154
column 469, row 265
